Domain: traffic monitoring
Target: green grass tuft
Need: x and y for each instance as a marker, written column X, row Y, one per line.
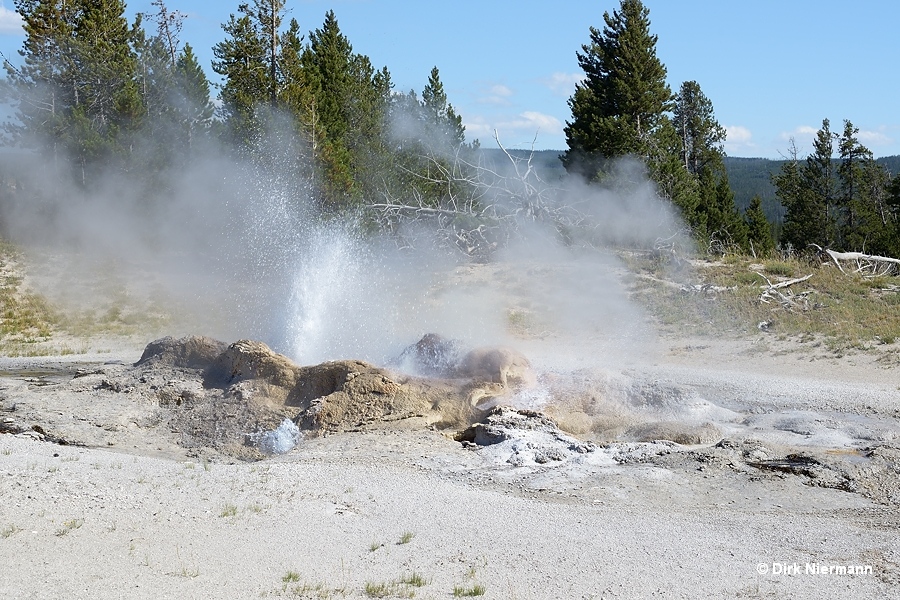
column 461, row 591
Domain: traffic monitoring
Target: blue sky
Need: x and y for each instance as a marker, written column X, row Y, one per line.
column 772, row 69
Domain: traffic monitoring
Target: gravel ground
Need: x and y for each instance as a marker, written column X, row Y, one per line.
column 131, row 514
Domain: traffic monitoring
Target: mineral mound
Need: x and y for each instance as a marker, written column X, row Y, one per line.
column 224, row 395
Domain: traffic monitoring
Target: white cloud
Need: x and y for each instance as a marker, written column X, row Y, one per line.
column 738, row 134
column 563, row 84
column 534, row 121
column 497, row 94
column 477, row 127
column 738, row 141
column 872, row 139
column 514, row 130
column 10, row 22
column 804, row 136
column 803, row 132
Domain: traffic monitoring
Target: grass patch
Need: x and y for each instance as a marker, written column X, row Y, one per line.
column 406, row 538
column 69, row 526
column 29, row 321
column 414, row 579
column 388, row 589
column 319, row 591
column 404, row 587
column 229, row 510
column 780, row 268
column 468, row 591
column 9, row 531
column 844, row 310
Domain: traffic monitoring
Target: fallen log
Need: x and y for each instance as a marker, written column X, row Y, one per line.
column 771, row 292
column 870, row 264
column 782, row 284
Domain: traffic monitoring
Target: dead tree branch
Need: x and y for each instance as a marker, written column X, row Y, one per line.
column 478, row 207
column 788, row 300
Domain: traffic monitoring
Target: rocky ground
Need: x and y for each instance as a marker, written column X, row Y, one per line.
column 752, row 468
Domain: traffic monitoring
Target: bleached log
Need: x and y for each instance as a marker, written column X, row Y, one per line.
column 864, row 262
column 771, row 291
column 783, row 284
column 860, row 256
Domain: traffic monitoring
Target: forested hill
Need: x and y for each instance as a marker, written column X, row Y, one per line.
column 748, row 177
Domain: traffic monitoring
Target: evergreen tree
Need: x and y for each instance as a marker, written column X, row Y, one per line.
column 156, row 86
column 42, row 89
column 268, row 14
column 809, row 194
column 715, row 216
column 724, row 222
column 351, row 102
column 175, row 94
column 294, row 94
column 876, row 231
column 193, row 105
column 76, row 94
column 620, row 105
column 441, row 120
column 892, row 215
column 702, row 138
column 241, row 60
column 864, row 222
column 168, row 26
column 818, row 177
column 852, row 158
column 759, row 230
column 802, row 220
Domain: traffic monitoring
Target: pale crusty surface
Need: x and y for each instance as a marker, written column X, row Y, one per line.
column 134, row 514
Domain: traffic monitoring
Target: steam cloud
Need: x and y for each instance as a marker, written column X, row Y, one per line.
column 233, row 250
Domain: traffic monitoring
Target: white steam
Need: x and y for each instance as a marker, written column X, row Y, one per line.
column 233, row 250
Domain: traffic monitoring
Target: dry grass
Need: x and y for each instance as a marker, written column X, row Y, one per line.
column 845, row 310
column 25, row 317
column 33, row 325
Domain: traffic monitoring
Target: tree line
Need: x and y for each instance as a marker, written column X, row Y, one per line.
column 839, row 197
column 95, row 94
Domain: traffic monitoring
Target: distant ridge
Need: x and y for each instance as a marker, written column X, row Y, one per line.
column 748, row 176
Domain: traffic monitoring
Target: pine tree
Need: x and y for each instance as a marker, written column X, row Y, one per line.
column 862, row 191
column 802, row 220
column 268, row 14
column 193, row 105
column 877, row 222
column 441, row 121
column 818, row 177
column 168, row 25
column 351, row 102
column 892, row 215
column 42, row 89
column 619, row 107
column 175, row 93
column 156, row 85
column 241, row 60
column 294, row 94
column 701, row 151
column 759, row 230
column 76, row 94
column 702, row 138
